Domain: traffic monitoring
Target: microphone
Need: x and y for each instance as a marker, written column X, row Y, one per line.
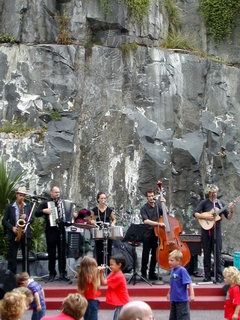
column 37, row 197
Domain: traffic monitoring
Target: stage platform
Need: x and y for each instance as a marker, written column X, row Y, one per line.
column 207, row 296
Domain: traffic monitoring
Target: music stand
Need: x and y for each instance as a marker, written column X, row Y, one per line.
column 134, row 236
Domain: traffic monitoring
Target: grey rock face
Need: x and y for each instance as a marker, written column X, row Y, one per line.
column 193, row 24
column 29, row 21
column 125, row 121
column 36, row 22
column 101, row 119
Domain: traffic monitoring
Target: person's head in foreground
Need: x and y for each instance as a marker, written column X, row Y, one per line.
column 231, row 276
column 136, row 310
column 12, row 306
column 74, row 305
column 27, row 292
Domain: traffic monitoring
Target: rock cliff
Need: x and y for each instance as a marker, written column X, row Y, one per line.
column 124, row 117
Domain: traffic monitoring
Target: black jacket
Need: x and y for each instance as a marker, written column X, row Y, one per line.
column 9, row 220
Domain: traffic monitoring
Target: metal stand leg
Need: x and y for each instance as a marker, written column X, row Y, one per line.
column 105, row 248
column 135, row 273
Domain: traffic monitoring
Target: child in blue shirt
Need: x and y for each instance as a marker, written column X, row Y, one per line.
column 180, row 281
column 38, row 304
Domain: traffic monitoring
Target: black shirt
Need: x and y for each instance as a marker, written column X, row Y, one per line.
column 104, row 216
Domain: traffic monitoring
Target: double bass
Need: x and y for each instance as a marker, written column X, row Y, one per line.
column 169, row 236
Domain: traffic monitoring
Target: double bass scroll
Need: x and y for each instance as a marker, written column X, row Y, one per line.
column 169, row 237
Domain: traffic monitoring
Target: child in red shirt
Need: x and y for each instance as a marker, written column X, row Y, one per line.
column 88, row 286
column 232, row 303
column 117, row 293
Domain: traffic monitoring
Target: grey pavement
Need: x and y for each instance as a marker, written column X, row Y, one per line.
column 158, row 314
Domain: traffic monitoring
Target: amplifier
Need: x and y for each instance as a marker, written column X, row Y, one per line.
column 75, row 244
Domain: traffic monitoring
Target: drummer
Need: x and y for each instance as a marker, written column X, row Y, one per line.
column 104, row 217
column 82, row 216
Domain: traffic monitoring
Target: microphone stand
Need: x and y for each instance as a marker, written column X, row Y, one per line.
column 214, row 244
column 158, row 241
column 25, row 258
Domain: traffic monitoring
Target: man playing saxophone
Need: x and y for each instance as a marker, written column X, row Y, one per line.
column 14, row 221
column 53, row 213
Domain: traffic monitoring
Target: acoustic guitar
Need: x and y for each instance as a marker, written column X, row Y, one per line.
column 208, row 224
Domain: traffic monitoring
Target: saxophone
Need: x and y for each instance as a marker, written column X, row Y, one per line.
column 21, row 223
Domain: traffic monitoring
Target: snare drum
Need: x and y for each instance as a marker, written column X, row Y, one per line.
column 97, row 233
column 116, row 233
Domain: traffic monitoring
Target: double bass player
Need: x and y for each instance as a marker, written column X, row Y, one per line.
column 150, row 213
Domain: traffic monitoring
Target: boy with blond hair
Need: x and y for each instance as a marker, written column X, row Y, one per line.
column 38, row 304
column 180, row 281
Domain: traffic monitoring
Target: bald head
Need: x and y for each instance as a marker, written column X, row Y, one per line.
column 135, row 310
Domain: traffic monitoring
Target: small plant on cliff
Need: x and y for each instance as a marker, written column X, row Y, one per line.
column 177, row 40
column 63, row 26
column 127, row 47
column 137, row 8
column 219, row 16
column 173, row 15
column 16, row 127
column 55, row 115
column 104, row 4
column 7, row 38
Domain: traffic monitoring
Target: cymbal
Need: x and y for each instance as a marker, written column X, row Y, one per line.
column 84, row 225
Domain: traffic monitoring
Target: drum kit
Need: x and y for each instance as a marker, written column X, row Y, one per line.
column 109, row 232
column 104, row 232
column 99, row 231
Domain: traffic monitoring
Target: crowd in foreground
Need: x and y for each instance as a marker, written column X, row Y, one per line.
column 29, row 294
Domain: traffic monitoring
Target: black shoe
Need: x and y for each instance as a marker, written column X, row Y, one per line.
column 64, row 278
column 153, row 276
column 207, row 279
column 51, row 278
column 219, row 280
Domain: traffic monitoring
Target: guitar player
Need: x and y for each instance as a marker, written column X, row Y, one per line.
column 209, row 213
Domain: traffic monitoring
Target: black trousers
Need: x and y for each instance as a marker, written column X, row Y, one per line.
column 99, row 252
column 208, row 248
column 56, row 248
column 150, row 244
column 13, row 247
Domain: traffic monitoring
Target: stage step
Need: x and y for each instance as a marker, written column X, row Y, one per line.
column 207, row 297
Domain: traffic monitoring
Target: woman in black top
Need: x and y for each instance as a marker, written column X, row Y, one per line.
column 104, row 217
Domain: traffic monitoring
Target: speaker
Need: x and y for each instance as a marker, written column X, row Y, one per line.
column 75, row 244
column 7, row 282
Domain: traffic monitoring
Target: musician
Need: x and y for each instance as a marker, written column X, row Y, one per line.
column 102, row 216
column 82, row 216
column 55, row 235
column 150, row 214
column 205, row 211
column 19, row 209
